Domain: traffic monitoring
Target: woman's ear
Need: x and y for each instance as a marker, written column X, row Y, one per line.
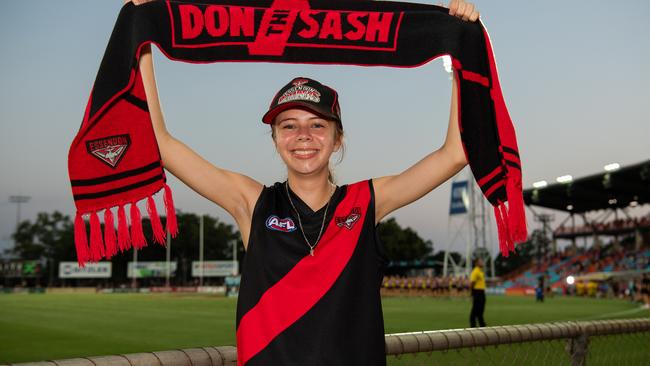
column 338, row 144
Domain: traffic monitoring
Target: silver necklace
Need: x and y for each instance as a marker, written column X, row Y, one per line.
column 311, row 247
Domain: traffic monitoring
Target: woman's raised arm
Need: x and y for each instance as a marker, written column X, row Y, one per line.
column 393, row 192
column 236, row 193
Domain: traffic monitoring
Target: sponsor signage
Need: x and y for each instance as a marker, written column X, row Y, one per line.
column 90, row 270
column 150, row 269
column 21, row 269
column 459, row 198
column 214, row 268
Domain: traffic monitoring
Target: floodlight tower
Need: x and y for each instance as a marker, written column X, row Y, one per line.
column 545, row 220
column 470, row 214
column 18, row 200
column 480, row 230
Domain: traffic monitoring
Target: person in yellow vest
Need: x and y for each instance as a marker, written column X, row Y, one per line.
column 477, row 285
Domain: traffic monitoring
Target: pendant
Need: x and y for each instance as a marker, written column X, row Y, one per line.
column 311, row 252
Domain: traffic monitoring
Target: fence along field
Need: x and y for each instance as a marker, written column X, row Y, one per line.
column 59, row 326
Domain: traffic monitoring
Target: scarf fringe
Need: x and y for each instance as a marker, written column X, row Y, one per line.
column 123, row 237
column 501, row 229
column 504, row 215
column 516, row 214
column 137, row 236
column 156, row 226
column 109, row 234
column 80, row 240
column 96, row 242
column 172, row 224
column 108, row 244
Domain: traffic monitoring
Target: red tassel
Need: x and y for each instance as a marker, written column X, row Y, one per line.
column 516, row 213
column 80, row 240
column 172, row 225
column 504, row 217
column 137, row 236
column 501, row 230
column 156, row 226
column 123, row 238
column 109, row 234
column 96, row 243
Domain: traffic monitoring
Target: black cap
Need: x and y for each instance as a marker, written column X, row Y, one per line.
column 308, row 94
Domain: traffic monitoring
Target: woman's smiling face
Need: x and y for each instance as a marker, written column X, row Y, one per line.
column 305, row 141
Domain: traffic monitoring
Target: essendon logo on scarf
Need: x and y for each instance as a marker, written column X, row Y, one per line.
column 268, row 31
column 349, row 220
column 109, row 150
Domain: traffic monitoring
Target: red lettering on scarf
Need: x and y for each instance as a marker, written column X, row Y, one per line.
column 216, row 20
column 331, row 26
column 242, row 20
column 312, row 25
column 287, row 23
column 359, row 27
column 191, row 21
column 378, row 27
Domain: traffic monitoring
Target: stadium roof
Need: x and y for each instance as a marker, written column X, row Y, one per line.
column 613, row 189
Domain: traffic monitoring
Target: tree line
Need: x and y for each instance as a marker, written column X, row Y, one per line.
column 49, row 238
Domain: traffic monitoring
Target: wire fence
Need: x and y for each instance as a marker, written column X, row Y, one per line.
column 605, row 342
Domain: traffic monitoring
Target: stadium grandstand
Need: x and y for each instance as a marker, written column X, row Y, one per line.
column 599, row 248
column 607, row 252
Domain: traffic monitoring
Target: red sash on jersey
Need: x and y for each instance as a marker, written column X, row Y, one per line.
column 302, row 287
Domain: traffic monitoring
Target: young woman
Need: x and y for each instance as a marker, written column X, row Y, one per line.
column 313, row 268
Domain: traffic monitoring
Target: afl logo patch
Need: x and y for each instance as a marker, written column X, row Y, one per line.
column 285, row 225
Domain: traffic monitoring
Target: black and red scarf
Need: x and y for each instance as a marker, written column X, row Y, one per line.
column 114, row 159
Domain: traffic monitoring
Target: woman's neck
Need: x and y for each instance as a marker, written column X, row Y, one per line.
column 315, row 191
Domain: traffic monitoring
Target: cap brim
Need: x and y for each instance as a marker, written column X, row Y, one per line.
column 269, row 116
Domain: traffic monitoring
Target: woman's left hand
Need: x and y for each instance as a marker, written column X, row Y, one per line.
column 464, row 10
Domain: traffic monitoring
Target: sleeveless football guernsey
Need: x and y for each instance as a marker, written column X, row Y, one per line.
column 325, row 309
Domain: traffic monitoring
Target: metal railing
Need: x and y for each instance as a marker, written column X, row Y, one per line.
column 576, row 346
column 576, row 335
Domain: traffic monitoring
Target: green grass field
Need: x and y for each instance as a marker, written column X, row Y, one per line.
column 54, row 326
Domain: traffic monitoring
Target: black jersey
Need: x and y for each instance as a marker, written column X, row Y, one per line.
column 325, row 309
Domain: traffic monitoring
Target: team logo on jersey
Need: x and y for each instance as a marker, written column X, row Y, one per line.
column 109, row 150
column 349, row 220
column 300, row 91
column 285, row 225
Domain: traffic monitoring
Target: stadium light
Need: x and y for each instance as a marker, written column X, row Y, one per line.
column 612, row 201
column 18, row 200
column 540, row 184
column 612, row 167
column 564, row 179
column 570, row 280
